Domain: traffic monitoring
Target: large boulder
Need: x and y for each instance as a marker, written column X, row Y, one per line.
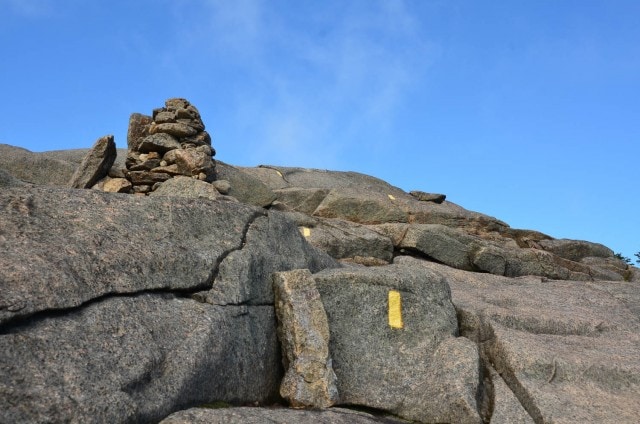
column 576, row 250
column 243, row 186
column 567, row 350
column 181, row 186
column 394, row 346
column 108, row 244
column 272, row 243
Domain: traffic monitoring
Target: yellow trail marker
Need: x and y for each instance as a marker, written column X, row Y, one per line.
column 395, row 309
column 306, row 231
column 391, row 197
column 278, row 172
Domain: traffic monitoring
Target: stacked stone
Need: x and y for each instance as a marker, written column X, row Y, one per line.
column 172, row 142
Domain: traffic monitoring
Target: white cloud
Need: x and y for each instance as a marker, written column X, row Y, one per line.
column 326, row 71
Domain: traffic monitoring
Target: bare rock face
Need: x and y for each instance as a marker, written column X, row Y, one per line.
column 243, row 186
column 346, row 241
column 54, row 168
column 309, row 380
column 394, row 347
column 99, row 315
column 8, row 180
column 276, row 416
column 136, row 358
column 567, row 350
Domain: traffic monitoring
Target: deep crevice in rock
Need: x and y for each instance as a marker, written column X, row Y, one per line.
column 485, row 398
column 414, row 253
column 476, row 329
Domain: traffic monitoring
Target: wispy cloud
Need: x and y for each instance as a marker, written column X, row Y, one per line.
column 320, row 74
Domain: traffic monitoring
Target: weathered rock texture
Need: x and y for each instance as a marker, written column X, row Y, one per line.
column 136, row 358
column 96, row 164
column 567, row 350
column 169, row 143
column 402, row 358
column 275, row 416
column 111, row 325
column 118, row 308
column 53, row 168
column 309, row 380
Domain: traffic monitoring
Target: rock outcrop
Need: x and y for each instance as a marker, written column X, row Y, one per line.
column 119, row 308
column 123, row 321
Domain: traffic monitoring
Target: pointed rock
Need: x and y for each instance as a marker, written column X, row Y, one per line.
column 96, row 163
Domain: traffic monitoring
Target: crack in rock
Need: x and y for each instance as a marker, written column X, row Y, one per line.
column 16, row 324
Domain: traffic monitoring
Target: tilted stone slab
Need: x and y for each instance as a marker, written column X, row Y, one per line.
column 96, row 163
column 352, row 191
column 309, row 380
column 392, row 338
column 304, row 200
column 458, row 249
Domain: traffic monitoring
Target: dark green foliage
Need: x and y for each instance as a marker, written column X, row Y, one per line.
column 637, row 255
column 622, row 258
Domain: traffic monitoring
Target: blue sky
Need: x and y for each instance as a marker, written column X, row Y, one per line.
column 524, row 110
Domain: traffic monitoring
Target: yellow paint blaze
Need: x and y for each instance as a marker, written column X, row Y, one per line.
column 395, row 309
column 306, row 231
column 279, row 173
column 391, row 197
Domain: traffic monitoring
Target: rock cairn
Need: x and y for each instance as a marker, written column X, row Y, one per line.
column 171, row 142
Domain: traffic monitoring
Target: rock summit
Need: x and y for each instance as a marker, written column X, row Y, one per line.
column 154, row 284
